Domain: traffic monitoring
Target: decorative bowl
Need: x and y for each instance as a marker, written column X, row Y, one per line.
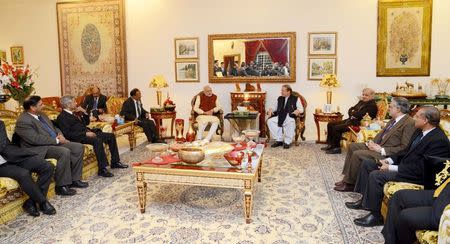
column 251, row 133
column 234, row 158
column 191, row 155
column 157, row 147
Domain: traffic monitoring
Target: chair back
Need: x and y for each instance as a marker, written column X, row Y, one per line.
column 114, row 104
column 302, row 99
column 382, row 105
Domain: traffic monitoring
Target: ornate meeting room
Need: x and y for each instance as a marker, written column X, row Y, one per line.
column 206, row 121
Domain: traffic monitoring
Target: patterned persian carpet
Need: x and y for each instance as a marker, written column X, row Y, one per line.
column 294, row 203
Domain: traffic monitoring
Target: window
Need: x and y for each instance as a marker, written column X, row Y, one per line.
column 263, row 59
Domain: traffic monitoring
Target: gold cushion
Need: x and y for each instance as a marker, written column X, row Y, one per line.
column 114, row 104
column 392, row 187
column 427, row 236
column 104, row 126
column 444, row 226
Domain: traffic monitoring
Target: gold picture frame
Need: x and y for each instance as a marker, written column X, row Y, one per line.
column 327, row 43
column 92, row 48
column 17, row 55
column 318, row 72
column 2, row 56
column 187, row 70
column 186, row 48
column 400, row 52
column 221, row 46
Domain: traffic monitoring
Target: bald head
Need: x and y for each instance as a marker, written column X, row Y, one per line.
column 367, row 94
column 207, row 91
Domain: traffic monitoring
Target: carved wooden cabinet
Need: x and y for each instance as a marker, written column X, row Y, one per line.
column 255, row 101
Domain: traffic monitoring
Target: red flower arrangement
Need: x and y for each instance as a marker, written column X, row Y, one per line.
column 17, row 81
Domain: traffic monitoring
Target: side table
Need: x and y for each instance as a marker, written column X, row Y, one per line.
column 159, row 116
column 322, row 117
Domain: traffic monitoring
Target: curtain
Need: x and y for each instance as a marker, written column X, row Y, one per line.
column 251, row 49
column 277, row 49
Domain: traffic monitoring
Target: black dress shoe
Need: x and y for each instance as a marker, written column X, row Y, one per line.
column 354, row 205
column 47, row 208
column 369, row 220
column 344, row 187
column 286, row 146
column 277, row 144
column 105, row 173
column 328, row 147
column 119, row 165
column 79, row 184
column 336, row 150
column 64, row 191
column 30, row 207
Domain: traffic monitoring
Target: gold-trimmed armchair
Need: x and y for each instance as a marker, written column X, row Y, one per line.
column 194, row 115
column 299, row 121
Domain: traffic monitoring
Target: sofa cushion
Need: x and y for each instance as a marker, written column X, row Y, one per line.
column 392, row 187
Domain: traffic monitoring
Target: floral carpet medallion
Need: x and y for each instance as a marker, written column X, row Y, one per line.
column 294, row 203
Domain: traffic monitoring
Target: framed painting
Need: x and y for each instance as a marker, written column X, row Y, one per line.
column 2, row 56
column 404, row 37
column 322, row 43
column 17, row 57
column 92, row 50
column 252, row 57
column 186, row 48
column 187, row 71
column 318, row 67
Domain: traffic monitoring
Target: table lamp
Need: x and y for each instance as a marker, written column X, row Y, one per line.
column 329, row 81
column 158, row 82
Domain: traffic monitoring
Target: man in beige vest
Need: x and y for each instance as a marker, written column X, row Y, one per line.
column 206, row 105
column 392, row 139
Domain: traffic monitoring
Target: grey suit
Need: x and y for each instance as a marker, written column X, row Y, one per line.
column 393, row 141
column 33, row 135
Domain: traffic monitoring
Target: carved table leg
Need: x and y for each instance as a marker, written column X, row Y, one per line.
column 248, row 200
column 259, row 169
column 132, row 140
column 142, row 190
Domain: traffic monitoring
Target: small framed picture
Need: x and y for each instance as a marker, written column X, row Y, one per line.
column 187, row 71
column 2, row 56
column 318, row 67
column 186, row 48
column 322, row 43
column 17, row 55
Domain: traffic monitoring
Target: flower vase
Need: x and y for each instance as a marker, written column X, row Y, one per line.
column 329, row 95
column 159, row 97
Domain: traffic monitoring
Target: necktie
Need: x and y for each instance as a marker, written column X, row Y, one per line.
column 47, row 127
column 388, row 128
column 95, row 103
column 138, row 108
column 416, row 140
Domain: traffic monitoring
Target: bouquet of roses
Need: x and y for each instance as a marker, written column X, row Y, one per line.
column 17, row 81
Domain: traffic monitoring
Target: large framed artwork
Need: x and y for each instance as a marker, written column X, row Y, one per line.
column 252, row 57
column 186, row 48
column 186, row 71
column 322, row 43
column 17, row 56
column 404, row 37
column 321, row 66
column 92, row 47
column 2, row 56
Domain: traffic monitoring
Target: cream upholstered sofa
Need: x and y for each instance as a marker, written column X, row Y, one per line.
column 11, row 196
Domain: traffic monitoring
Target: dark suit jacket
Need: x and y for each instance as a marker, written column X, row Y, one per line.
column 72, row 127
column 411, row 160
column 88, row 103
column 398, row 137
column 129, row 110
column 11, row 153
column 33, row 135
column 357, row 112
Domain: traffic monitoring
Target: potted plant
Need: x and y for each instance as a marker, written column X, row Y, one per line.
column 169, row 105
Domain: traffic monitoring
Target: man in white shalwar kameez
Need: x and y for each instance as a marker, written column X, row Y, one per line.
column 287, row 108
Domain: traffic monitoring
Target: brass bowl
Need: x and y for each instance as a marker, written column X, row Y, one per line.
column 191, row 155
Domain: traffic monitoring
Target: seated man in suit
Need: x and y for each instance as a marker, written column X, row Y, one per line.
column 132, row 109
column 355, row 114
column 283, row 116
column 405, row 166
column 73, row 121
column 206, row 105
column 18, row 163
column 95, row 103
column 37, row 133
column 392, row 139
column 411, row 210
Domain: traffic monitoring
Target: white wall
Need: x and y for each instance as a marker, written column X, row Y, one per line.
column 151, row 26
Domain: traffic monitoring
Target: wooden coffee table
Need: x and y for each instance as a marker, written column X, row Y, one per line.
column 214, row 171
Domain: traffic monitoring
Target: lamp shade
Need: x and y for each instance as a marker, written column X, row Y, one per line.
column 158, row 81
column 329, row 81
